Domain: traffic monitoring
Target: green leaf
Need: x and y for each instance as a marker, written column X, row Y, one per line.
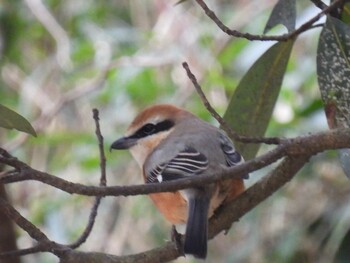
column 252, row 103
column 12, row 120
column 283, row 13
column 345, row 14
column 333, row 73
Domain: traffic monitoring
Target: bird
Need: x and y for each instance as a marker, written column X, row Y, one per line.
column 170, row 143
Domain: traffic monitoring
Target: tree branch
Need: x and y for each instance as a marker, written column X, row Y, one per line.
column 292, row 34
column 222, row 220
column 103, row 182
column 304, row 145
column 257, row 193
column 232, row 134
column 22, row 222
column 296, row 152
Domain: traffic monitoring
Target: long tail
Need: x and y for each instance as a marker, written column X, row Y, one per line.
column 196, row 237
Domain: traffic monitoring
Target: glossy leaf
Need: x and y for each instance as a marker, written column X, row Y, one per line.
column 253, row 101
column 12, row 120
column 345, row 14
column 283, row 13
column 333, row 73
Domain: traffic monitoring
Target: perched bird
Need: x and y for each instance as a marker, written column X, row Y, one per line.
column 170, row 143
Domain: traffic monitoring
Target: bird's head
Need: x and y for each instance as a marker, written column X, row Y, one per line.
column 148, row 129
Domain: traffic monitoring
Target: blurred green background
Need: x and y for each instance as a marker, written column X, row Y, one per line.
column 60, row 59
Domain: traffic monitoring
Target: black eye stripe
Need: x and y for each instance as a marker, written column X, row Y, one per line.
column 150, row 128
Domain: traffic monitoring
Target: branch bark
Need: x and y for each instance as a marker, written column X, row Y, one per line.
column 304, row 145
column 295, row 153
column 292, row 34
column 221, row 221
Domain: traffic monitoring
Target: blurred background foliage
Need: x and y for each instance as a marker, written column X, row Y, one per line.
column 60, row 59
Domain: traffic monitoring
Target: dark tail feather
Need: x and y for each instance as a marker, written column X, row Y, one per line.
column 196, row 237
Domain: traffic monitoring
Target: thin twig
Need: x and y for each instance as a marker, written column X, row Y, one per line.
column 21, row 252
column 304, row 27
column 103, row 181
column 223, row 123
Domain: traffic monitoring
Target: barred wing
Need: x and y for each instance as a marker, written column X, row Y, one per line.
column 231, row 155
column 188, row 162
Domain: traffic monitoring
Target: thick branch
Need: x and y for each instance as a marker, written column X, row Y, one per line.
column 254, row 195
column 222, row 220
column 163, row 254
column 44, row 243
column 296, row 152
column 22, row 222
column 306, row 145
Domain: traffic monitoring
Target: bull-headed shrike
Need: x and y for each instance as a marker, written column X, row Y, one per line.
column 170, row 143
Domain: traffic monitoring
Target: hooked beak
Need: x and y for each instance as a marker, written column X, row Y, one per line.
column 123, row 143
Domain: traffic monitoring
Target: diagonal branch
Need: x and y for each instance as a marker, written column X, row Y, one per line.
column 221, row 221
column 292, row 34
column 257, row 193
column 44, row 243
column 304, row 145
column 103, row 182
column 232, row 134
column 296, row 151
column 22, row 222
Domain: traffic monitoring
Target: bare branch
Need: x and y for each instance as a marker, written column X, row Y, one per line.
column 224, row 125
column 305, row 145
column 44, row 243
column 222, row 220
column 269, row 184
column 103, row 182
column 23, row 252
column 292, row 34
column 103, row 179
column 22, row 222
column 162, row 254
column 297, row 151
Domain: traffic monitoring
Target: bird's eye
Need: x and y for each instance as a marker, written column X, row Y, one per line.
column 148, row 129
